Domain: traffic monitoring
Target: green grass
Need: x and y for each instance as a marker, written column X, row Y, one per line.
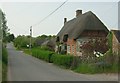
column 27, row 51
column 85, row 68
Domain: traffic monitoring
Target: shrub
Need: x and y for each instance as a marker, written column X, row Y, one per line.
column 4, row 56
column 58, row 59
column 62, row 60
column 45, row 48
column 23, row 41
column 4, row 64
column 41, row 54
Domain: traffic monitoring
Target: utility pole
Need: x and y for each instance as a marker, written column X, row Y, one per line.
column 30, row 37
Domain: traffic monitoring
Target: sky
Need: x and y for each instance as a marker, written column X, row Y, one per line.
column 21, row 15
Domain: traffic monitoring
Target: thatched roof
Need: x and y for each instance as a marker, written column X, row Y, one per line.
column 86, row 21
column 50, row 43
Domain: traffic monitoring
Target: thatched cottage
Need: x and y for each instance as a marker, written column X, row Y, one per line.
column 78, row 31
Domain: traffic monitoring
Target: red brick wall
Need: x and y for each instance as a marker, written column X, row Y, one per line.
column 72, row 44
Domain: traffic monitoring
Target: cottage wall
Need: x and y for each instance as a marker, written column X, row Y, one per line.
column 115, row 45
column 71, row 44
column 79, row 42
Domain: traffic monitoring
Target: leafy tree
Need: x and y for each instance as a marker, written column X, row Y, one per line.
column 43, row 36
column 10, row 37
column 0, row 25
column 4, row 27
column 22, row 41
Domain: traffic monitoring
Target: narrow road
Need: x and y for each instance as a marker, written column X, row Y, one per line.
column 23, row 67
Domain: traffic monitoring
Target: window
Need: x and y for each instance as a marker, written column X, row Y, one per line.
column 57, row 40
column 65, row 38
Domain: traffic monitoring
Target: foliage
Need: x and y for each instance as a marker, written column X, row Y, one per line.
column 4, row 30
column 4, row 55
column 85, row 68
column 45, row 48
column 109, row 37
column 4, row 27
column 22, row 41
column 4, row 64
column 10, row 37
column 63, row 60
column 3, row 39
column 41, row 54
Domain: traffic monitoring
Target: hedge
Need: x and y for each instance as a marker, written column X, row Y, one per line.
column 4, row 56
column 58, row 59
column 74, row 62
column 4, row 64
column 63, row 60
column 41, row 54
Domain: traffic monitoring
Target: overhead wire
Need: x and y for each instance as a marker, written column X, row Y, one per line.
column 49, row 14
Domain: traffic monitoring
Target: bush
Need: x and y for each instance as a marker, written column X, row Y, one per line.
column 23, row 41
column 4, row 56
column 4, row 64
column 45, row 48
column 58, row 59
column 41, row 54
column 62, row 60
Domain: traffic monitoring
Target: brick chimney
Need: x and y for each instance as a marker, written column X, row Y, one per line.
column 78, row 12
column 65, row 20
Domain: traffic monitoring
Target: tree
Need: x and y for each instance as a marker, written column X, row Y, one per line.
column 10, row 37
column 4, row 27
column 0, row 25
column 43, row 36
column 22, row 41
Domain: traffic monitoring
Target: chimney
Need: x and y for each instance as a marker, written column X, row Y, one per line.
column 78, row 12
column 65, row 20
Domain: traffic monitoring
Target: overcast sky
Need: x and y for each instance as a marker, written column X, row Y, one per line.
column 22, row 15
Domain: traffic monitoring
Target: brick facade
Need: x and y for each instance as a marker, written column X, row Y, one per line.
column 72, row 44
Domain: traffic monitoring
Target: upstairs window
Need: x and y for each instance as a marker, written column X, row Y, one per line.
column 65, row 38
